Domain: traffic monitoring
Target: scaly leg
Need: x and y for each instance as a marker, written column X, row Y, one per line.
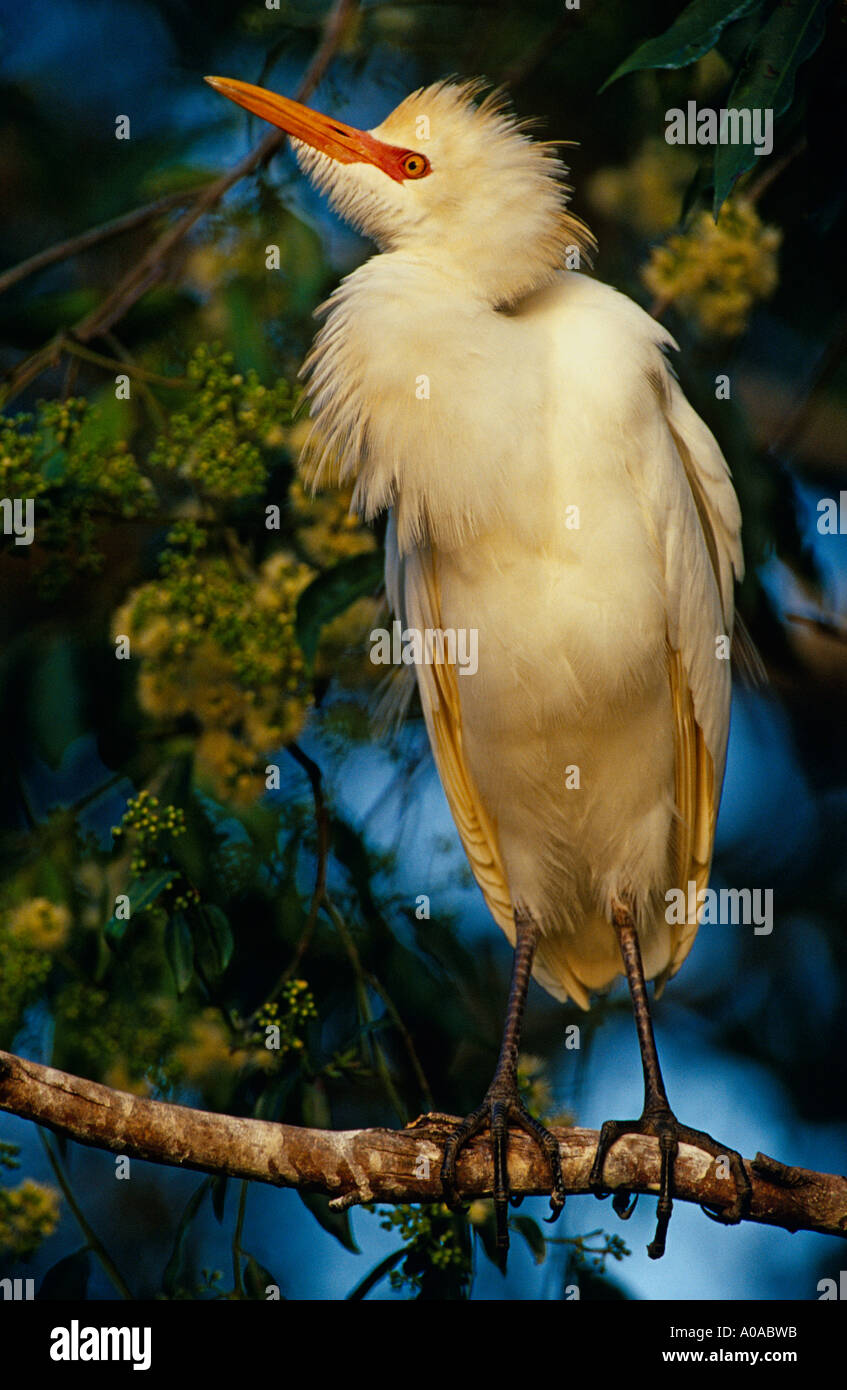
column 502, row 1102
column 657, row 1118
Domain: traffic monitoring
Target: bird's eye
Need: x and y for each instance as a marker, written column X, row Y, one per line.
column 414, row 166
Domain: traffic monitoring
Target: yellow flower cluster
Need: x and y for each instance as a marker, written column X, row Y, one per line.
column 129, row 1048
column 151, row 830
column 326, row 528
column 119, row 1077
column 40, row 923
column 647, row 193
column 299, row 1004
column 220, row 647
column 715, row 272
column 216, row 442
column 25, row 968
column 29, row 1213
column 208, row 1057
column 234, row 251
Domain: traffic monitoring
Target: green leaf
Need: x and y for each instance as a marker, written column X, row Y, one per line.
column 175, row 1275
column 766, row 80
column 219, row 1186
column 54, row 465
column 179, row 949
column 691, row 35
column 699, row 188
column 337, row 1223
column 486, row 1232
column 54, row 700
column 197, row 851
column 376, row 1274
column 272, row 1099
column 109, row 422
column 331, row 593
column 737, row 38
column 212, row 936
column 315, row 1106
column 67, row 1278
column 220, row 934
column 245, row 329
column 142, row 894
column 257, row 1279
column 531, row 1232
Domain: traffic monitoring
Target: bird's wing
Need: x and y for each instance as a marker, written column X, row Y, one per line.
column 702, row 552
column 412, row 587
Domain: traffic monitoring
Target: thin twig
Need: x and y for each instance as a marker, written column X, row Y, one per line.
column 126, row 364
column 758, row 186
column 365, row 1008
column 65, row 250
column 521, row 68
column 93, row 1241
column 394, row 1015
column 836, row 631
column 825, row 367
column 238, row 1281
column 149, row 270
column 313, row 773
column 71, row 374
column 155, row 411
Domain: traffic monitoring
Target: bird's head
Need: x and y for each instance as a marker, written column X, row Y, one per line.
column 445, row 178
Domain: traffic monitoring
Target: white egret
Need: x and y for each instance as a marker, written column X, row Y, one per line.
column 549, row 486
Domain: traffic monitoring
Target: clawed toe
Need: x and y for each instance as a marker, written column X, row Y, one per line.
column 496, row 1112
column 664, row 1126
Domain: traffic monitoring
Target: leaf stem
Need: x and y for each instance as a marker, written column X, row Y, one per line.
column 95, row 1244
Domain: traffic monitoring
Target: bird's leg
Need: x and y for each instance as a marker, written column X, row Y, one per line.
column 502, row 1102
column 657, row 1118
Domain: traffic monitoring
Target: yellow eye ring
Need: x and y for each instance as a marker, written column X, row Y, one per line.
column 415, row 166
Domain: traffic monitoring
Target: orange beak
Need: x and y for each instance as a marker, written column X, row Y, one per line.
column 340, row 142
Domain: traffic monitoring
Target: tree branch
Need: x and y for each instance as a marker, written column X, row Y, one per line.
column 65, row 250
column 380, row 1165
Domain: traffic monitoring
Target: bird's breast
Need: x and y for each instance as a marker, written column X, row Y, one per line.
column 568, row 608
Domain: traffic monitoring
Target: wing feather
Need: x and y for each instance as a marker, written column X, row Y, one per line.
column 413, row 593
column 702, row 556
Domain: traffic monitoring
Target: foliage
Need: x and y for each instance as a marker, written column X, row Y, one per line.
column 768, row 42
column 65, row 457
column 436, row 1262
column 29, row 1213
column 715, row 272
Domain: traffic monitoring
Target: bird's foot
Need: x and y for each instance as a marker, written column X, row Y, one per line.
column 502, row 1104
column 662, row 1124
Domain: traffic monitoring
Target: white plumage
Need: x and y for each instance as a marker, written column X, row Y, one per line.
column 549, row 486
